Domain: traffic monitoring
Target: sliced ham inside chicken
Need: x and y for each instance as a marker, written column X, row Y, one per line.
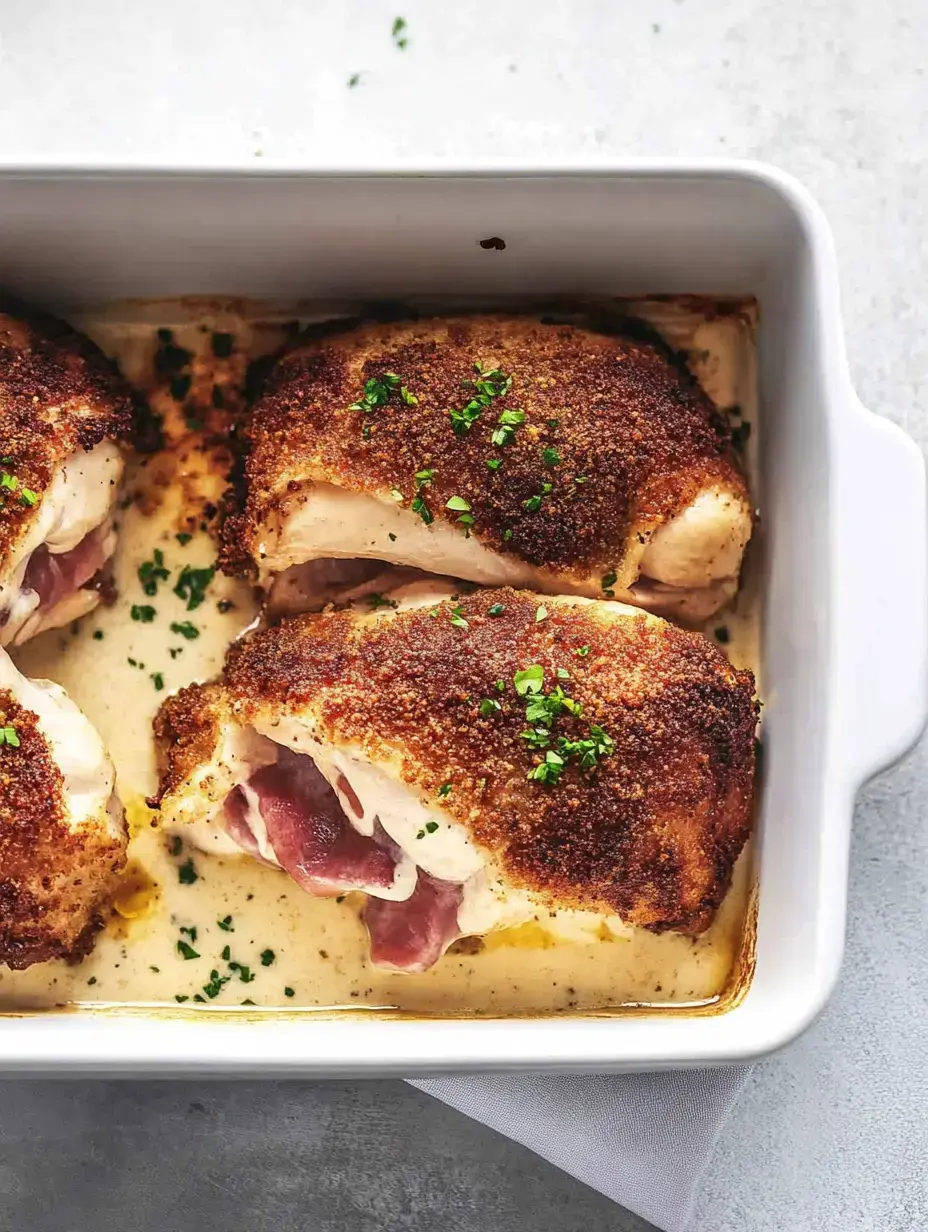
column 60, row 402
column 470, row 763
column 499, row 450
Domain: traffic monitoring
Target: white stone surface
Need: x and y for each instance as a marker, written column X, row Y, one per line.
column 834, row 1133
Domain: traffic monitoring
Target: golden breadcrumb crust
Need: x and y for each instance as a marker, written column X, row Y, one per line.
column 635, row 436
column 58, row 393
column 54, row 880
column 652, row 833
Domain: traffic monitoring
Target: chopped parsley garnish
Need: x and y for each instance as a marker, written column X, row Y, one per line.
column 226, row 924
column 541, row 613
column 187, row 874
column 507, row 535
column 396, row 494
column 457, row 617
column 722, row 635
column 445, row 789
column 458, row 503
column 267, row 957
column 174, row 651
column 496, row 609
column 170, row 358
column 98, row 635
column 180, row 386
column 530, row 680
column 10, row 483
column 582, row 651
column 157, row 680
column 489, row 707
column 377, row 601
column 185, row 628
column 608, row 581
column 419, row 504
column 377, row 391
column 183, row 538
column 541, row 712
column 9, row 735
column 143, row 612
column 550, row 456
column 500, row 686
column 431, row 827
column 408, row 398
column 494, row 463
column 245, row 974
column 399, row 38
column 353, row 80
column 580, row 478
column 30, row 498
column 151, row 572
column 563, row 673
column 505, row 434
column 226, row 953
column 223, row 345
column 190, row 932
column 192, row 584
column 180, row 997
column 552, row 423
column 216, row 983
column 186, row 951
column 288, row 992
column 490, row 383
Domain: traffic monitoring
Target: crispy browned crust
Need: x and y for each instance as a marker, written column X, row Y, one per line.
column 630, row 420
column 652, row 834
column 187, row 733
column 58, row 393
column 54, row 881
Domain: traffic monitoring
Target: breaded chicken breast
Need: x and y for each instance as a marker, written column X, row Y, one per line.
column 61, row 406
column 497, row 449
column 466, row 760
column 62, row 830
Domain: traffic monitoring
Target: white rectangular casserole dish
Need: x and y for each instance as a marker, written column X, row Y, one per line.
column 842, row 495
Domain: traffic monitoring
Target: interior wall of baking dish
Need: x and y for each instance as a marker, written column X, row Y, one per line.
column 66, row 241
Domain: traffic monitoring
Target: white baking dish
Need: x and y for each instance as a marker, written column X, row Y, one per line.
column 842, row 494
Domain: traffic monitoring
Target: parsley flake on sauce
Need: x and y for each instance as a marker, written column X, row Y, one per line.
column 226, row 924
column 192, row 583
column 186, row 951
column 187, row 874
column 153, row 571
column 267, row 957
column 142, row 612
column 185, row 628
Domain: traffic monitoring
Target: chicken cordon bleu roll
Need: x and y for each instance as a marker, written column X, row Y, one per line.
column 497, row 449
column 61, row 405
column 62, row 829
column 467, row 762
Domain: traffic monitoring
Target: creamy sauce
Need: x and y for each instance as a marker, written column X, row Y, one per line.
column 286, row 948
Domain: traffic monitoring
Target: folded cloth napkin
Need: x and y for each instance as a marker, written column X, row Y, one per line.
column 641, row 1139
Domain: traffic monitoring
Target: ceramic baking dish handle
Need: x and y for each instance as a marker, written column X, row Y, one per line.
column 883, row 567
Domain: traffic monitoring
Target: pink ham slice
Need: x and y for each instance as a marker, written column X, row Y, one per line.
column 413, row 935
column 310, row 835
column 56, row 576
column 324, row 854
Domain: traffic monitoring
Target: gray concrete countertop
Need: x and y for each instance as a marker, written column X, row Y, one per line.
column 834, row 1132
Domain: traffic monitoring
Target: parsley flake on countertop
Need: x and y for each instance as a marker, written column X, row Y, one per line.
column 608, row 581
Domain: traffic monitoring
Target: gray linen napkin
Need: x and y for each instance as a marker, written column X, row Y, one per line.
column 641, row 1139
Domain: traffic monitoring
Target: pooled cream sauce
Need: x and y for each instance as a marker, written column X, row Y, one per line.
column 192, row 931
